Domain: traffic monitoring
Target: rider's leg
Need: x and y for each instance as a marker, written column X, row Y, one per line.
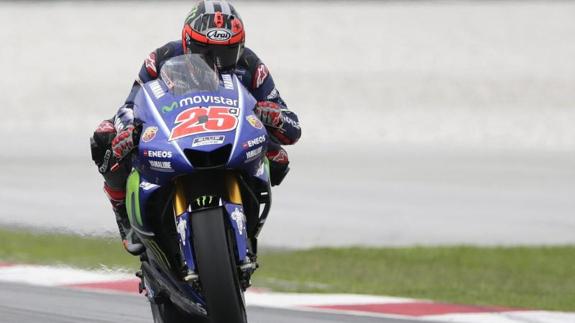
column 114, row 182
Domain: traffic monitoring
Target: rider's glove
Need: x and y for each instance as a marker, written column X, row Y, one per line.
column 269, row 113
column 123, row 143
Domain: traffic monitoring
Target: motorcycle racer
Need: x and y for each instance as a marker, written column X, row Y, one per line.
column 215, row 30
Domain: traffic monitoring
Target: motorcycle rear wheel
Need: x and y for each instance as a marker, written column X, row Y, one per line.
column 216, row 266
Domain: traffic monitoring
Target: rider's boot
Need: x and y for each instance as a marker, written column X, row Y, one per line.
column 279, row 163
column 130, row 240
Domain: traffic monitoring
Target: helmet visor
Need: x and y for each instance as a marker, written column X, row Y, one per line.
column 224, row 57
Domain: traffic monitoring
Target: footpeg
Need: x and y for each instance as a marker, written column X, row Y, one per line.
column 191, row 277
column 249, row 266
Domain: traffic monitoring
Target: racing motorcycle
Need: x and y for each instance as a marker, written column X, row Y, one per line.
column 198, row 193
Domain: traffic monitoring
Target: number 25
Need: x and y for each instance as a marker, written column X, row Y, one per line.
column 199, row 120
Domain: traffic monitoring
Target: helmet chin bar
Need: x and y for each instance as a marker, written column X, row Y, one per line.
column 224, row 57
column 218, row 62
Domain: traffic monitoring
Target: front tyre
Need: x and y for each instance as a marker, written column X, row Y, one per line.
column 168, row 313
column 216, row 267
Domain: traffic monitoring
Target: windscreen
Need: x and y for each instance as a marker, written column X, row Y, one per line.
column 189, row 73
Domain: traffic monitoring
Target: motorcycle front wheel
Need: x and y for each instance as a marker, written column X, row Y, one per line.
column 217, row 269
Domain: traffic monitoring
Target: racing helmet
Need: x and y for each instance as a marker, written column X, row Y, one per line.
column 214, row 29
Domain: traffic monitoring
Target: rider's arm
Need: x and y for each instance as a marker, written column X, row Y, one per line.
column 259, row 81
column 148, row 72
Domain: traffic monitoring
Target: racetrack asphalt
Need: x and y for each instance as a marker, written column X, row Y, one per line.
column 23, row 304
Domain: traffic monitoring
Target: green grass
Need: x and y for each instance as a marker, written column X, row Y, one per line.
column 21, row 246
column 528, row 277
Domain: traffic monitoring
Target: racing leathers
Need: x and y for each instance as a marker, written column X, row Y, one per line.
column 113, row 137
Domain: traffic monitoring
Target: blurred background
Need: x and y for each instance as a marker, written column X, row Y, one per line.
column 424, row 122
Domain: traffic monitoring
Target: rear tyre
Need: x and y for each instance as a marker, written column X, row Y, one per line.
column 216, row 267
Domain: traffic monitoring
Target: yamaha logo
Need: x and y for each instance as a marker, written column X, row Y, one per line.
column 219, row 35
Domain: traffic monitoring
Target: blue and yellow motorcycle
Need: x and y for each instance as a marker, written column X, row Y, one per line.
column 198, row 193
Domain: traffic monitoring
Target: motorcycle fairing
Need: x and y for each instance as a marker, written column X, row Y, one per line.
column 151, row 116
column 174, row 161
column 163, row 159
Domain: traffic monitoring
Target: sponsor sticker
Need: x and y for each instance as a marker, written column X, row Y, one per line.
column 240, row 219
column 202, row 100
column 106, row 161
column 192, row 15
column 228, row 84
column 274, row 94
column 161, row 166
column 279, row 156
column 208, row 140
column 149, row 134
column 255, row 122
column 158, row 153
column 260, row 76
column 260, row 170
column 219, row 35
column 252, row 154
column 146, row 186
column 157, row 89
column 285, row 119
column 207, row 99
column 182, row 230
column 200, row 120
column 254, row 142
column 169, row 108
column 150, row 63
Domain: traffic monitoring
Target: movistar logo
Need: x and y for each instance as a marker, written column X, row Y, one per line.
column 199, row 100
column 169, row 108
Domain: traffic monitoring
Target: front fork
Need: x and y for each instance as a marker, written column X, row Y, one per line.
column 182, row 211
column 232, row 205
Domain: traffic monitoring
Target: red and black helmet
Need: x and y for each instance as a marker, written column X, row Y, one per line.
column 215, row 29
